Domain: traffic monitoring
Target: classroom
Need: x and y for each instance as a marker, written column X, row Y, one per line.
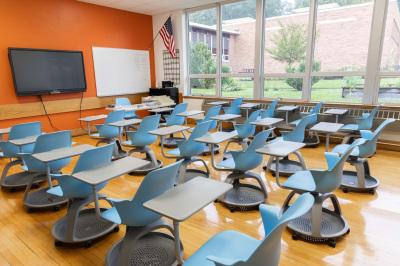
column 199, row 133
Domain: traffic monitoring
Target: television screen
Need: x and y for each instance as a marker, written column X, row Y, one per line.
column 37, row 72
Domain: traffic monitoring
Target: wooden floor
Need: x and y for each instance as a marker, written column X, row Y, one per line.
column 25, row 238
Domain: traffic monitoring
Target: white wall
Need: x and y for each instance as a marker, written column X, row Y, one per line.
column 178, row 24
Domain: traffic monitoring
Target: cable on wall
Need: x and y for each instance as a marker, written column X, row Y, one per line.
column 47, row 115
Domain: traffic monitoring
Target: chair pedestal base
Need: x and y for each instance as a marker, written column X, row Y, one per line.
column 312, row 141
column 19, row 180
column 171, row 142
column 40, row 199
column 244, row 196
column 359, row 180
column 185, row 174
column 150, row 156
column 118, row 152
column 207, row 150
column 142, row 246
column 81, row 226
column 287, row 167
column 319, row 225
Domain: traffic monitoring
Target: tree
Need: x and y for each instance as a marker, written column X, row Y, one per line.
column 290, row 44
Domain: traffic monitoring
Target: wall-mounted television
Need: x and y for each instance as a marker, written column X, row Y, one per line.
column 38, row 71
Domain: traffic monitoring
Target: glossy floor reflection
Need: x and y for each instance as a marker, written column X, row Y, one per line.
column 374, row 221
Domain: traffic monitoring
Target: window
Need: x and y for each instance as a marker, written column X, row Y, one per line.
column 238, row 48
column 202, row 62
column 389, row 89
column 341, row 50
column 286, row 32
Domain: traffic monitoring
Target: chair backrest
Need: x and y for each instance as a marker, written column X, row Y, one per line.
column 25, row 130
column 331, row 179
column 142, row 137
column 270, row 111
column 247, row 129
column 369, row 147
column 153, row 185
column 174, row 119
column 249, row 158
column 18, row 132
column 191, row 147
column 122, row 101
column 253, row 116
column 110, row 131
column 212, row 111
column 49, row 142
column 269, row 251
column 236, row 102
column 298, row 133
column 91, row 159
column 368, row 120
column 317, row 108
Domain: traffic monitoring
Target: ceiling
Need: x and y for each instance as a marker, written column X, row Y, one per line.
column 150, row 7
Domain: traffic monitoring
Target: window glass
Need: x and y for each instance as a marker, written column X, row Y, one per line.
column 338, row 89
column 203, row 86
column 389, row 90
column 288, row 88
column 237, row 87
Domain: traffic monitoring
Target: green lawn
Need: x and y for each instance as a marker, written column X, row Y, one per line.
column 323, row 90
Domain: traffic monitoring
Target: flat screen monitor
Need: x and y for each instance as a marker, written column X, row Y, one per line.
column 38, row 71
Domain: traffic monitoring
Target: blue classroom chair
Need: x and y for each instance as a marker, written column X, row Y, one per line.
column 315, row 110
column 39, row 199
column 320, row 224
column 125, row 102
column 245, row 196
column 174, row 120
column 211, row 112
column 234, row 108
column 244, row 131
column 140, row 242
column 10, row 151
column 81, row 225
column 235, row 248
column 365, row 122
column 188, row 150
column 141, row 140
column 286, row 165
column 361, row 180
column 270, row 111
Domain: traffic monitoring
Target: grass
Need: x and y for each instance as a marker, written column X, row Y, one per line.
column 323, row 90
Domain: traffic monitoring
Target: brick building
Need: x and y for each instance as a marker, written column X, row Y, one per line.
column 342, row 38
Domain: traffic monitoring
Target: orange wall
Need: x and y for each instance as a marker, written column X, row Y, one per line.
column 67, row 25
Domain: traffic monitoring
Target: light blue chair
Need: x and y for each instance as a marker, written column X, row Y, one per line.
column 234, row 108
column 245, row 196
column 188, row 150
column 211, row 112
column 141, row 223
column 270, row 111
column 315, row 110
column 286, row 165
column 125, row 102
column 82, row 225
column 10, row 151
column 141, row 140
column 244, row 131
column 361, row 180
column 365, row 122
column 174, row 120
column 39, row 199
column 109, row 134
column 235, row 248
column 320, row 224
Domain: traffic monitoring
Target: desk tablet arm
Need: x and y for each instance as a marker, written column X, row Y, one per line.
column 218, row 261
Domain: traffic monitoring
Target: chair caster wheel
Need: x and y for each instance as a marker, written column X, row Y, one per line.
column 116, row 229
column 232, row 210
column 87, row 244
column 216, row 201
column 264, row 168
column 332, row 243
column 56, row 208
column 348, row 231
column 217, row 152
column 12, row 190
column 295, row 237
column 29, row 210
column 34, row 186
column 57, row 243
column 372, row 192
column 345, row 190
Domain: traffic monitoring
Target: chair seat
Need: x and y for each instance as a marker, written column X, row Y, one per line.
column 228, row 163
column 295, row 122
column 56, row 191
column 343, row 147
column 175, row 152
column 350, row 127
column 301, row 180
column 228, row 244
column 112, row 215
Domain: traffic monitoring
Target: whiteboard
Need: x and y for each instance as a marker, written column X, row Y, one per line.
column 121, row 71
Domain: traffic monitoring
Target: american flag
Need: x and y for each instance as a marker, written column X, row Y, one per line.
column 168, row 37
